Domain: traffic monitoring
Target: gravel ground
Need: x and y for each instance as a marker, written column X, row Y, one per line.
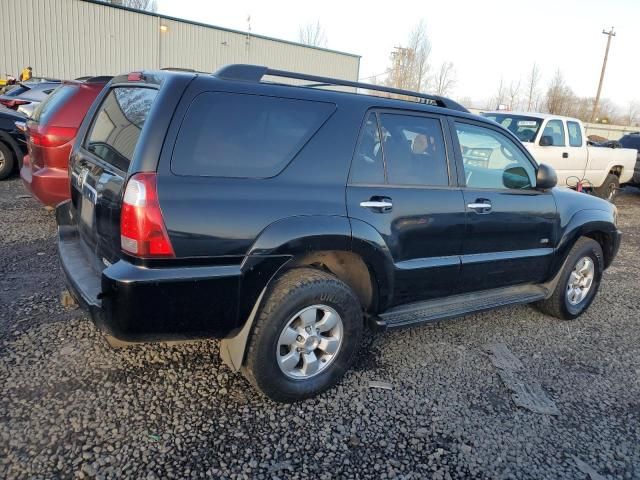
column 72, row 407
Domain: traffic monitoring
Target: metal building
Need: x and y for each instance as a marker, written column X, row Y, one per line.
column 73, row 38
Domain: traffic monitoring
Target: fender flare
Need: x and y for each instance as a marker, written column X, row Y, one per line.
column 280, row 243
column 582, row 223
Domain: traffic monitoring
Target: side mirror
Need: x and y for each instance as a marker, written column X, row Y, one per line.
column 546, row 177
column 516, row 178
column 546, row 141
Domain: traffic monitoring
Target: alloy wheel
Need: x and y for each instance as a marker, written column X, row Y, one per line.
column 309, row 342
column 580, row 280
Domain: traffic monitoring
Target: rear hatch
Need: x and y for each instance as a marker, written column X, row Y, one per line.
column 38, row 137
column 99, row 165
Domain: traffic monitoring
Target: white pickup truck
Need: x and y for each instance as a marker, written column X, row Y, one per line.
column 561, row 142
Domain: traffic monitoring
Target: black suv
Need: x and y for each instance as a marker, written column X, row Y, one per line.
column 283, row 218
column 632, row 140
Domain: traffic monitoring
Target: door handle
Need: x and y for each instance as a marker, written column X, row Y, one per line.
column 565, row 155
column 383, row 205
column 480, row 207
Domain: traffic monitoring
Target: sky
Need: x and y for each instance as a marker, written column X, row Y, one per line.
column 485, row 39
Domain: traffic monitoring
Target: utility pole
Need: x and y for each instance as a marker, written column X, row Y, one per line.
column 609, row 34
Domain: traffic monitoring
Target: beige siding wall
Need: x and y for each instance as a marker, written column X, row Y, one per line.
column 73, row 38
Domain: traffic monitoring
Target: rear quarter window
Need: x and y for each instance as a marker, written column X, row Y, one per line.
column 118, row 123
column 44, row 112
column 244, row 136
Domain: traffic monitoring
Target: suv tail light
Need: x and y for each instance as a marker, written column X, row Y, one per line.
column 142, row 230
column 52, row 136
column 14, row 104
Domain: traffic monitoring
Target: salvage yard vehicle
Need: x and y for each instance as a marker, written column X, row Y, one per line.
column 12, row 142
column 562, row 143
column 29, row 95
column 282, row 219
column 632, row 140
column 51, row 132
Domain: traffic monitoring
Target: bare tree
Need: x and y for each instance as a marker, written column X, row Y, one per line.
column 312, row 34
column 465, row 101
column 633, row 113
column 559, row 97
column 499, row 97
column 445, row 79
column 410, row 65
column 148, row 5
column 532, row 84
column 514, row 94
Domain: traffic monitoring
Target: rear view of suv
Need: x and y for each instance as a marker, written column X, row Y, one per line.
column 50, row 135
column 283, row 219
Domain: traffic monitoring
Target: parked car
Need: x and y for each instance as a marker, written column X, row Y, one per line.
column 28, row 94
column 12, row 142
column 632, row 140
column 561, row 143
column 280, row 217
column 50, row 134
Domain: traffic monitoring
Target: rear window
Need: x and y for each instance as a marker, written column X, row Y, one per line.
column 15, row 91
column 239, row 135
column 53, row 103
column 118, row 123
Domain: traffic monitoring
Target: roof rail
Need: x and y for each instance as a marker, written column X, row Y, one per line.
column 254, row 73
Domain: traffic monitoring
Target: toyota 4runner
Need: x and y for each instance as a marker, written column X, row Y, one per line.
column 284, row 218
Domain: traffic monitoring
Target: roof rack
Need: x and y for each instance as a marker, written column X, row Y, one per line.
column 254, row 73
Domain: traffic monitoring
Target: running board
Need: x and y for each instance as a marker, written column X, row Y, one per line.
column 458, row 305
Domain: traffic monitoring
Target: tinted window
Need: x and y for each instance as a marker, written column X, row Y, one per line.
column 491, row 160
column 631, row 141
column 367, row 166
column 575, row 134
column 238, row 135
column 413, row 149
column 45, row 111
column 555, row 130
column 117, row 125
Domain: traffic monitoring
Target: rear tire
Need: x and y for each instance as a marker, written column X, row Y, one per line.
column 572, row 297
column 7, row 161
column 609, row 189
column 290, row 324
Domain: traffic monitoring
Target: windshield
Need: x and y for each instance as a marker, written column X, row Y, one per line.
column 525, row 128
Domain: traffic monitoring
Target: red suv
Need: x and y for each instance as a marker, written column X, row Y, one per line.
column 51, row 132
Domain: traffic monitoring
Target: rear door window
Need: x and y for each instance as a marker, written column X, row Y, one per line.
column 118, row 123
column 575, row 134
column 244, row 136
column 53, row 103
column 413, row 148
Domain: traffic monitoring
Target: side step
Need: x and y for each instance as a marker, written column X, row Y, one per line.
column 459, row 305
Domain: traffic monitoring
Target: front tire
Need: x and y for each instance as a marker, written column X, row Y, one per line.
column 7, row 161
column 578, row 282
column 306, row 336
column 609, row 189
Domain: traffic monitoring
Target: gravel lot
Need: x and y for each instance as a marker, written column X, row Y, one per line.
column 70, row 406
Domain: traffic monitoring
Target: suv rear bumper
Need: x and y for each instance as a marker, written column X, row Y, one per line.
column 137, row 303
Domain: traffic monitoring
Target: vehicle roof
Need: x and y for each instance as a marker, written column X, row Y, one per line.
column 541, row 116
column 309, row 92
